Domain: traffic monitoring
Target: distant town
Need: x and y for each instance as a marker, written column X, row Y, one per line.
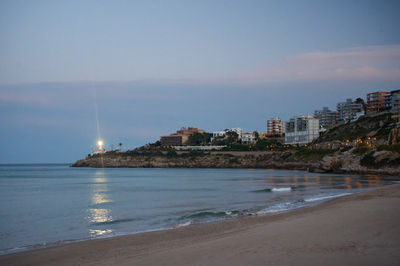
column 299, row 130
column 302, row 129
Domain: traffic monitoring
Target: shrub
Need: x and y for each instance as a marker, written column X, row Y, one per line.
column 368, row 160
column 361, row 150
column 394, row 147
column 346, row 149
column 234, row 160
column 172, row 153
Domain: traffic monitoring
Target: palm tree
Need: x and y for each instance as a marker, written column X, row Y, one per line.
column 120, row 146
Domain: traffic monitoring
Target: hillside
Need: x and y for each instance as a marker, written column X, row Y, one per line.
column 377, row 127
column 357, row 147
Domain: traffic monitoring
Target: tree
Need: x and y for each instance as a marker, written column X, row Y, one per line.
column 120, row 146
column 231, row 137
column 361, row 101
column 200, row 138
column 256, row 135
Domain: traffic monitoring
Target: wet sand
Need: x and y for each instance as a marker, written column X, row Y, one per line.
column 362, row 229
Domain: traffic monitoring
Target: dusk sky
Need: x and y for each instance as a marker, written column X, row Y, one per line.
column 152, row 67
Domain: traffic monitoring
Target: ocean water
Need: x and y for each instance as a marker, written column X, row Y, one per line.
column 45, row 204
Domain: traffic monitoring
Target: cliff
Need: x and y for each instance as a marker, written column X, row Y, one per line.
column 352, row 161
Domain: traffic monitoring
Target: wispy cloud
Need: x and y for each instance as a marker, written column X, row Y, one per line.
column 360, row 63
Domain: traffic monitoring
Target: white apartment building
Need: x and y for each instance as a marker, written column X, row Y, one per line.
column 301, row 130
column 248, row 138
column 219, row 134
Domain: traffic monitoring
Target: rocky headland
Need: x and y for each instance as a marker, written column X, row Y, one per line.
column 368, row 146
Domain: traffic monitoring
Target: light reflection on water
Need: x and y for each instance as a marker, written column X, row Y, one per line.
column 96, row 233
column 99, row 195
column 344, row 182
column 48, row 203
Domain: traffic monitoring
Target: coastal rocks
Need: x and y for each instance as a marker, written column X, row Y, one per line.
column 276, row 160
column 381, row 156
column 330, row 163
column 339, row 162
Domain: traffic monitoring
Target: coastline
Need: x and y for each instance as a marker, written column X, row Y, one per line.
column 344, row 163
column 365, row 233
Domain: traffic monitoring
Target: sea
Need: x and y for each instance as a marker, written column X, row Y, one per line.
column 43, row 205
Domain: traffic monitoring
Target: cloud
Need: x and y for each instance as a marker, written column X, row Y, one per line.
column 360, row 63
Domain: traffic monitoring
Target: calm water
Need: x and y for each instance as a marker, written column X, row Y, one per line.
column 48, row 203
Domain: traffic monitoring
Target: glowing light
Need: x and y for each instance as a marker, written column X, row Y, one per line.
column 100, row 143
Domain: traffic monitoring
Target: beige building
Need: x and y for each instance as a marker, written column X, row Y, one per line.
column 275, row 126
column 376, row 101
column 181, row 137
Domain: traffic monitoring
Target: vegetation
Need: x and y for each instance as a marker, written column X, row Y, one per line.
column 368, row 160
column 361, row 150
column 198, row 139
column 307, row 154
column 172, row 153
column 380, row 125
column 394, row 148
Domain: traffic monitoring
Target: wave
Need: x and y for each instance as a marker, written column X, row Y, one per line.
column 208, row 214
column 274, row 189
column 318, row 198
column 281, row 189
column 183, row 224
column 116, row 221
column 281, row 207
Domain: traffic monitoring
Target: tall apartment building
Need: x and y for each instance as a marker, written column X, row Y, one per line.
column 348, row 110
column 376, row 101
column 326, row 117
column 388, row 101
column 395, row 101
column 301, row 130
column 181, row 137
column 275, row 126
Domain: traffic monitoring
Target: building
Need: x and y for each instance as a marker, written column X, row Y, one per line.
column 275, row 126
column 326, row 117
column 189, row 131
column 301, row 130
column 219, row 134
column 181, row 137
column 248, row 138
column 388, row 101
column 348, row 110
column 222, row 134
column 376, row 101
column 395, row 101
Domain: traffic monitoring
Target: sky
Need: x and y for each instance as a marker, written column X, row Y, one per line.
column 148, row 68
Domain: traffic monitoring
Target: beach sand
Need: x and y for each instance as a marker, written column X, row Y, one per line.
column 361, row 229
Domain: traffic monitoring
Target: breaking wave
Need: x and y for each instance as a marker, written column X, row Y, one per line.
column 274, row 189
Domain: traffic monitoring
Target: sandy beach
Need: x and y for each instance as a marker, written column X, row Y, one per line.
column 362, row 229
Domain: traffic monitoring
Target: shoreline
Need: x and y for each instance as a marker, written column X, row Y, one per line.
column 249, row 215
column 313, row 161
column 387, row 172
column 137, row 248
